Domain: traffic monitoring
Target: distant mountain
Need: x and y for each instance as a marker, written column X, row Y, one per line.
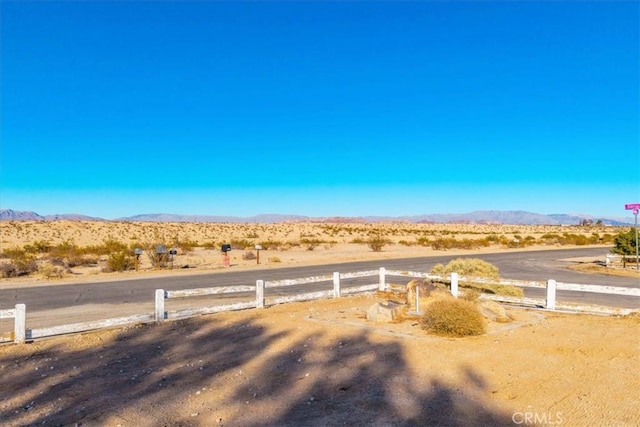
column 263, row 218
column 11, row 215
column 72, row 217
column 576, row 219
column 476, row 217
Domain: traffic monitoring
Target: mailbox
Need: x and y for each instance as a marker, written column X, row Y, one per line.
column 226, row 248
column 161, row 249
column 173, row 252
column 137, row 251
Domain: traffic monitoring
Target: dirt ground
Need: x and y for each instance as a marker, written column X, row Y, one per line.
column 322, row 363
column 316, row 363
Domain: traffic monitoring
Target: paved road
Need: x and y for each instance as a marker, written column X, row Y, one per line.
column 93, row 301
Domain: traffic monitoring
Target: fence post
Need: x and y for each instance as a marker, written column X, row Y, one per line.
column 336, row 284
column 20, row 324
column 551, row 295
column 381, row 282
column 454, row 285
column 159, row 305
column 259, row 293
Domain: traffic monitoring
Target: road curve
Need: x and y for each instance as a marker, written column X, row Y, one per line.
column 109, row 299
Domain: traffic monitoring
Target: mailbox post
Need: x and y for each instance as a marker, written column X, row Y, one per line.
column 172, row 252
column 225, row 255
column 137, row 252
column 258, row 247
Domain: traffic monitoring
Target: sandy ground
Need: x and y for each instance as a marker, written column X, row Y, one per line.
column 321, row 363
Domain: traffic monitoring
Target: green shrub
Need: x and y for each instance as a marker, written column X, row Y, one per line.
column 453, row 318
column 625, row 243
column 120, row 261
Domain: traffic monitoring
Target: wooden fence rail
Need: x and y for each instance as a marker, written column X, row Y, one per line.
column 22, row 334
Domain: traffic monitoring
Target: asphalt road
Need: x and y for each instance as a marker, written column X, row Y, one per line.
column 53, row 305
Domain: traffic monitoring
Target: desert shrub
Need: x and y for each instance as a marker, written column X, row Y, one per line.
column 270, row 244
column 453, row 318
column 158, row 260
column 607, row 238
column 377, row 242
column 65, row 249
column 248, row 256
column 467, row 267
column 120, row 261
column 442, row 244
column 311, row 244
column 241, row 244
column 470, row 295
column 50, row 271
column 274, row 259
column 423, row 241
column 550, row 238
column 186, row 246
column 22, row 263
column 7, row 270
column 494, row 288
column 38, row 247
column 506, row 290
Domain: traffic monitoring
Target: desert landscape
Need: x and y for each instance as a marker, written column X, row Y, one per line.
column 319, row 362
column 73, row 250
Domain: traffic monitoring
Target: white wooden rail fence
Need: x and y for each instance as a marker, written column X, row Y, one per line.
column 22, row 334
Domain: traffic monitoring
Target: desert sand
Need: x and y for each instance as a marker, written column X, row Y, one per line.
column 317, row 363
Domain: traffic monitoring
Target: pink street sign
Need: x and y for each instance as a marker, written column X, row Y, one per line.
column 632, row 206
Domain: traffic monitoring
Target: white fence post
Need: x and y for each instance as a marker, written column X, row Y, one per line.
column 454, row 285
column 382, row 281
column 159, row 305
column 20, row 325
column 551, row 295
column 259, row 293
column 336, row 284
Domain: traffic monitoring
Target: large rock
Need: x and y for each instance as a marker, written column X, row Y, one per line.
column 387, row 311
column 494, row 311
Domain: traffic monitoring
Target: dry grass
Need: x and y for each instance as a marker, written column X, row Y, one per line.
column 83, row 247
column 453, row 318
column 629, row 271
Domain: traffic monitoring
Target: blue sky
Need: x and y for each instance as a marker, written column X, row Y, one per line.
column 319, row 108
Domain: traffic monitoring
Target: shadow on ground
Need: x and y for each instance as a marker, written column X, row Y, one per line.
column 153, row 371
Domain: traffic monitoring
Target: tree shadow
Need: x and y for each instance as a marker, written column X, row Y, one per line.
column 314, row 379
column 364, row 383
column 86, row 385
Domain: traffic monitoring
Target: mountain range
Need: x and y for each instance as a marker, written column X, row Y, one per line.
column 478, row 217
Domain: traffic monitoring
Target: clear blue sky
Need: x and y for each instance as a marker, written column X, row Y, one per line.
column 115, row 108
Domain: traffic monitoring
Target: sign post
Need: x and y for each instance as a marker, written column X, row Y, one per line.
column 635, row 207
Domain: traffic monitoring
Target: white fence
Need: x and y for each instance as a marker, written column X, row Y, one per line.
column 22, row 334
